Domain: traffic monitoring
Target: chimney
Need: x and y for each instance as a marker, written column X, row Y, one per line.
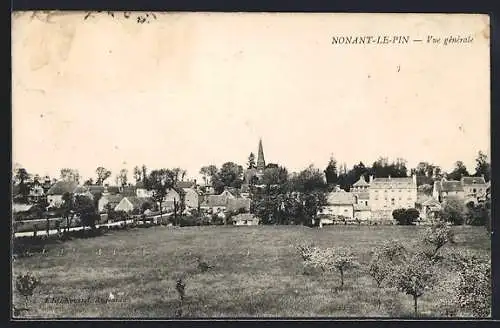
column 371, row 178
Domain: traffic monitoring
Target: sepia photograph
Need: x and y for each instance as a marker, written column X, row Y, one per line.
column 203, row 165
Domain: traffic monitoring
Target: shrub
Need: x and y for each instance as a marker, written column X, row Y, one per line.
column 26, row 284
column 405, row 216
column 306, row 251
column 453, row 211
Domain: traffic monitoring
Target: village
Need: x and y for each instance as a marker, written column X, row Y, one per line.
column 368, row 201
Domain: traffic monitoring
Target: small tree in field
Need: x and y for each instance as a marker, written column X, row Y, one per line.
column 436, row 237
column 414, row 277
column 25, row 285
column 331, row 259
column 453, row 211
column 384, row 258
column 474, row 287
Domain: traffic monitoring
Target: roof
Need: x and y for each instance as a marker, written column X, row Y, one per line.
column 216, row 200
column 61, row 187
column 361, row 182
column 340, row 198
column 431, row 202
column 405, row 182
column 17, row 207
column 421, row 198
column 128, row 191
column 362, row 195
column 113, row 189
column 185, row 184
column 137, row 202
column 81, row 190
column 95, row 189
column 473, row 180
column 237, row 203
column 115, row 198
column 361, row 207
column 448, row 186
column 245, row 217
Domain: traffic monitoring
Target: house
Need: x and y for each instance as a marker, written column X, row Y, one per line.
column 245, row 219
column 141, row 191
column 238, row 204
column 388, row 194
column 133, row 204
column 83, row 191
column 108, row 200
column 445, row 188
column 36, row 193
column 191, row 198
column 56, row 192
column 362, row 212
column 215, row 203
column 360, row 186
column 339, row 203
column 474, row 188
column 430, row 210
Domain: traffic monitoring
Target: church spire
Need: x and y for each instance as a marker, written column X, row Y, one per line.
column 261, row 163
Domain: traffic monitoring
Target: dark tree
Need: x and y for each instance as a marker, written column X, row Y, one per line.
column 251, row 161
column 483, row 166
column 331, row 173
column 160, row 182
column 102, row 175
column 458, row 172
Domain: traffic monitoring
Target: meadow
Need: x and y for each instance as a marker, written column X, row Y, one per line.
column 256, row 272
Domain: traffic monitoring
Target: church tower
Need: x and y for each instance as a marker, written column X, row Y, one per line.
column 261, row 163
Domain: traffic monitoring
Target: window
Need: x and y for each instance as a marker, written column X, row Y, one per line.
column 393, row 202
column 399, row 190
column 474, row 190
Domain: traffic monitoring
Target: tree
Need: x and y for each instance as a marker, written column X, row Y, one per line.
column 84, row 206
column 331, row 173
column 229, row 175
column 137, row 174
column 274, row 176
column 453, row 211
column 22, row 177
column 68, row 174
column 458, row 172
column 179, row 173
column 251, row 161
column 331, row 259
column 414, row 277
column 399, row 215
column 483, row 166
column 102, row 175
column 160, row 182
column 436, row 237
column 208, row 173
column 88, row 182
column 122, row 177
column 474, row 286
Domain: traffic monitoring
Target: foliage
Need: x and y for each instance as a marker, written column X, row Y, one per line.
column 229, row 175
column 306, row 250
column 160, row 182
column 122, row 177
column 251, row 161
column 331, row 173
column 137, row 174
column 436, row 237
column 453, row 211
column 102, row 175
column 334, row 259
column 458, row 172
column 483, row 166
column 26, row 284
column 474, row 287
column 414, row 277
column 68, row 174
column 22, row 177
column 84, row 206
column 405, row 216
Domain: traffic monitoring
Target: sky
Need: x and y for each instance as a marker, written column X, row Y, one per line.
column 188, row 90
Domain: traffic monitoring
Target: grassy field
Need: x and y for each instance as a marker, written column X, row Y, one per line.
column 257, row 273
